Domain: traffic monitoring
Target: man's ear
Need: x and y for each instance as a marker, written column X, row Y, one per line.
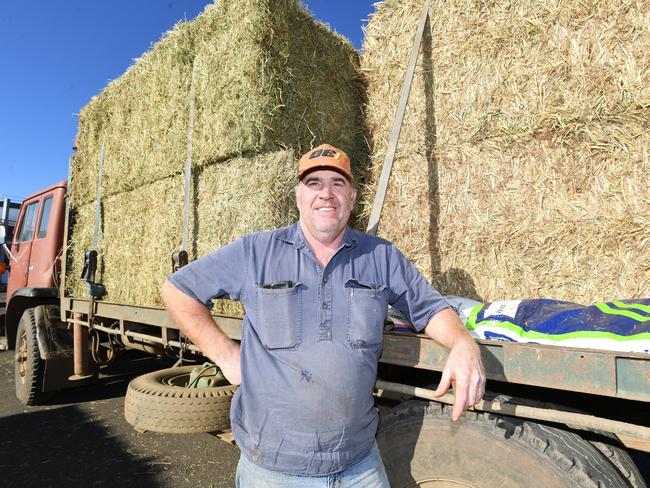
column 354, row 195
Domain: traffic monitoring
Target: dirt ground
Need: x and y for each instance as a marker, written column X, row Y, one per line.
column 80, row 438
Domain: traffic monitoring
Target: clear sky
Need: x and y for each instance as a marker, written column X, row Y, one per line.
column 56, row 54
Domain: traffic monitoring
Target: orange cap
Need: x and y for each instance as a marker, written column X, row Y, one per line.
column 325, row 157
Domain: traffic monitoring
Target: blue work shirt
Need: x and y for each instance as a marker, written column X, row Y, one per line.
column 311, row 340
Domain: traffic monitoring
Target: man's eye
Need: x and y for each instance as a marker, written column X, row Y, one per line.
column 313, row 184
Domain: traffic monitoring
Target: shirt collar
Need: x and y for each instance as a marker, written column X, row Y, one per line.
column 293, row 235
column 349, row 238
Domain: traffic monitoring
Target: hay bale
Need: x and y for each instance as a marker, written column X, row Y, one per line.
column 141, row 229
column 142, row 118
column 138, row 232
column 269, row 83
column 267, row 76
column 522, row 168
column 263, row 198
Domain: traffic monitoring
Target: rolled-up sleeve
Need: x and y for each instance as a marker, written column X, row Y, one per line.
column 220, row 274
column 411, row 294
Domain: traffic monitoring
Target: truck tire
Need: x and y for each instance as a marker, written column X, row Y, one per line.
column 161, row 402
column 608, row 444
column 421, row 446
column 29, row 368
column 610, row 447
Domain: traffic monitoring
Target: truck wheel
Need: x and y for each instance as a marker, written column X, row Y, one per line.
column 610, row 447
column 608, row 444
column 161, row 402
column 28, row 367
column 421, row 446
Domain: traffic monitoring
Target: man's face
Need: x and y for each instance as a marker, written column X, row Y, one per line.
column 325, row 199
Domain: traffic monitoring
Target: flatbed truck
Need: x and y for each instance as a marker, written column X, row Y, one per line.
column 552, row 416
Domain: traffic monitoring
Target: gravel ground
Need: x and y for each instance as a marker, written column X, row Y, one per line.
column 80, row 438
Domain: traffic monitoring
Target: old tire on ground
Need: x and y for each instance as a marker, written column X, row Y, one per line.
column 160, row 402
column 420, row 446
column 29, row 368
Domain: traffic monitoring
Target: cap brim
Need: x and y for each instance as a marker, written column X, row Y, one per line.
column 311, row 169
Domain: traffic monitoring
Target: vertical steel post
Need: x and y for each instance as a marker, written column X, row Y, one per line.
column 80, row 349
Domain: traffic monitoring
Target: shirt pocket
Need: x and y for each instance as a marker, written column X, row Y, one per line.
column 279, row 314
column 367, row 308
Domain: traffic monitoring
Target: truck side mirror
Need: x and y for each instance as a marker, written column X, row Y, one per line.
column 3, row 234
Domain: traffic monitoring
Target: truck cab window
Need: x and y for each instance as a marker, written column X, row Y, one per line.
column 45, row 218
column 26, row 230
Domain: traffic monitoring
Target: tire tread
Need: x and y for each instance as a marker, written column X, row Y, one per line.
column 157, row 407
column 584, row 465
column 30, row 393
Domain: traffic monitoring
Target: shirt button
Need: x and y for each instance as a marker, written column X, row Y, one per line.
column 324, row 306
column 325, row 279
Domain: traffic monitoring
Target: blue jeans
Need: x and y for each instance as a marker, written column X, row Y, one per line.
column 367, row 473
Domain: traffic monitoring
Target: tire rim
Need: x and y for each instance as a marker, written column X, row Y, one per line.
column 177, row 380
column 181, row 380
column 21, row 357
column 441, row 483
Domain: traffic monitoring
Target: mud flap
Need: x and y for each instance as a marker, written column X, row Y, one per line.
column 55, row 347
column 52, row 341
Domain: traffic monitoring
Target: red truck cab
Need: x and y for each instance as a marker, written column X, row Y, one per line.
column 34, row 256
column 35, row 252
column 43, row 345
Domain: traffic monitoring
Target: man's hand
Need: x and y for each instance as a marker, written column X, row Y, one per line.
column 195, row 320
column 463, row 368
column 465, row 371
column 231, row 366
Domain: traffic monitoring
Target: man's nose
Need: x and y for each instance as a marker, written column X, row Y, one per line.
column 326, row 192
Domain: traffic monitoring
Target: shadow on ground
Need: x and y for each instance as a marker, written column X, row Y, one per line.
column 82, row 450
column 80, row 438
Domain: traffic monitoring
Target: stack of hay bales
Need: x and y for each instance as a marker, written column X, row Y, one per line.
column 524, row 159
column 269, row 83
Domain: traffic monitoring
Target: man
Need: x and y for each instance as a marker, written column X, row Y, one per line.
column 315, row 295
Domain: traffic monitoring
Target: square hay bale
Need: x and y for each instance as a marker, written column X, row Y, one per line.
column 267, row 76
column 142, row 118
column 522, row 167
column 139, row 230
column 262, row 199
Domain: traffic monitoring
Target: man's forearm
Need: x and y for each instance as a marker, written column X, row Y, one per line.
column 446, row 328
column 463, row 367
column 195, row 320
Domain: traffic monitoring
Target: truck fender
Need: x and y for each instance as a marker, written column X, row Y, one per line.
column 21, row 300
column 52, row 341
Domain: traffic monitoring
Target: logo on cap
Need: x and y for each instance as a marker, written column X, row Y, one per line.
column 328, row 153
